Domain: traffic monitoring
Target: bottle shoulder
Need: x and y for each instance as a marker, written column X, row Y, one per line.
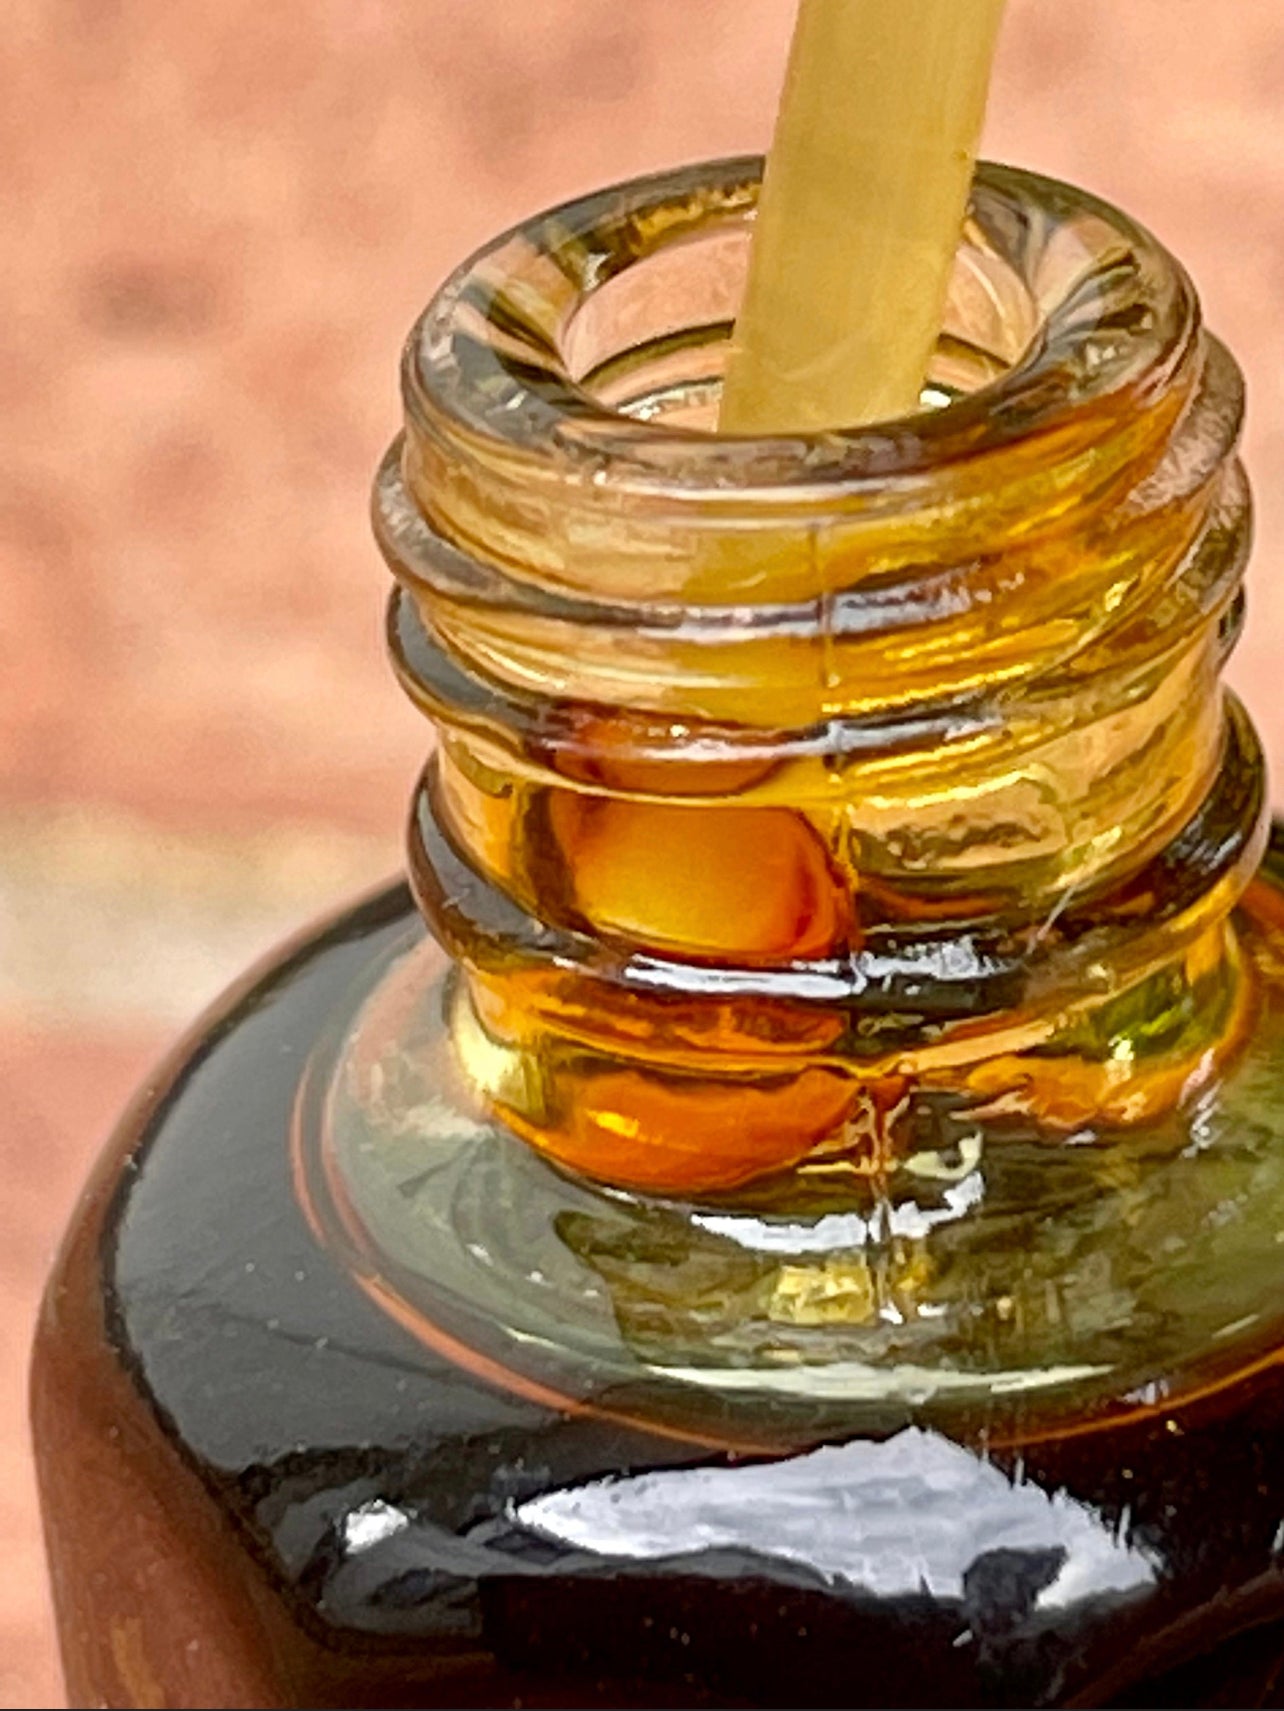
column 398, row 1496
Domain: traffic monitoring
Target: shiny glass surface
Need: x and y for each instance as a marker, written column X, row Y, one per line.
column 797, row 794
column 991, row 1277
column 805, row 1222
column 265, row 1486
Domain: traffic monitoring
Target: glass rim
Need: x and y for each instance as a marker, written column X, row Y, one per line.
column 486, row 362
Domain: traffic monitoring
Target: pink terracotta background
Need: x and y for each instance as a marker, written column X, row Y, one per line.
column 220, row 219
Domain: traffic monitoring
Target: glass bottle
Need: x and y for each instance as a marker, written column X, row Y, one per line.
column 804, row 1218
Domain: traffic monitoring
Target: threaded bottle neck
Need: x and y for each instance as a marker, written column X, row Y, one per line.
column 905, row 747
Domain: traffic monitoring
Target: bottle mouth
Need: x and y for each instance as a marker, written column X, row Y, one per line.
column 555, row 509
column 560, row 387
column 599, row 329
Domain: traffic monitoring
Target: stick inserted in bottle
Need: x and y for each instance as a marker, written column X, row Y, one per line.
column 864, row 197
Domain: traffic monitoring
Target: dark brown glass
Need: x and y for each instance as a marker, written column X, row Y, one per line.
column 216, row 1400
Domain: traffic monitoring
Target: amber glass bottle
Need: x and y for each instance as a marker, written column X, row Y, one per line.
column 803, row 1220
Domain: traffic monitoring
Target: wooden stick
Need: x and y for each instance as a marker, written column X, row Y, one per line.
column 864, row 198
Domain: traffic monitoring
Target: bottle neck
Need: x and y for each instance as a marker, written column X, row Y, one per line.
column 866, row 760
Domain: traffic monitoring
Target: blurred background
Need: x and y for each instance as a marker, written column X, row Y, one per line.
column 221, row 220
